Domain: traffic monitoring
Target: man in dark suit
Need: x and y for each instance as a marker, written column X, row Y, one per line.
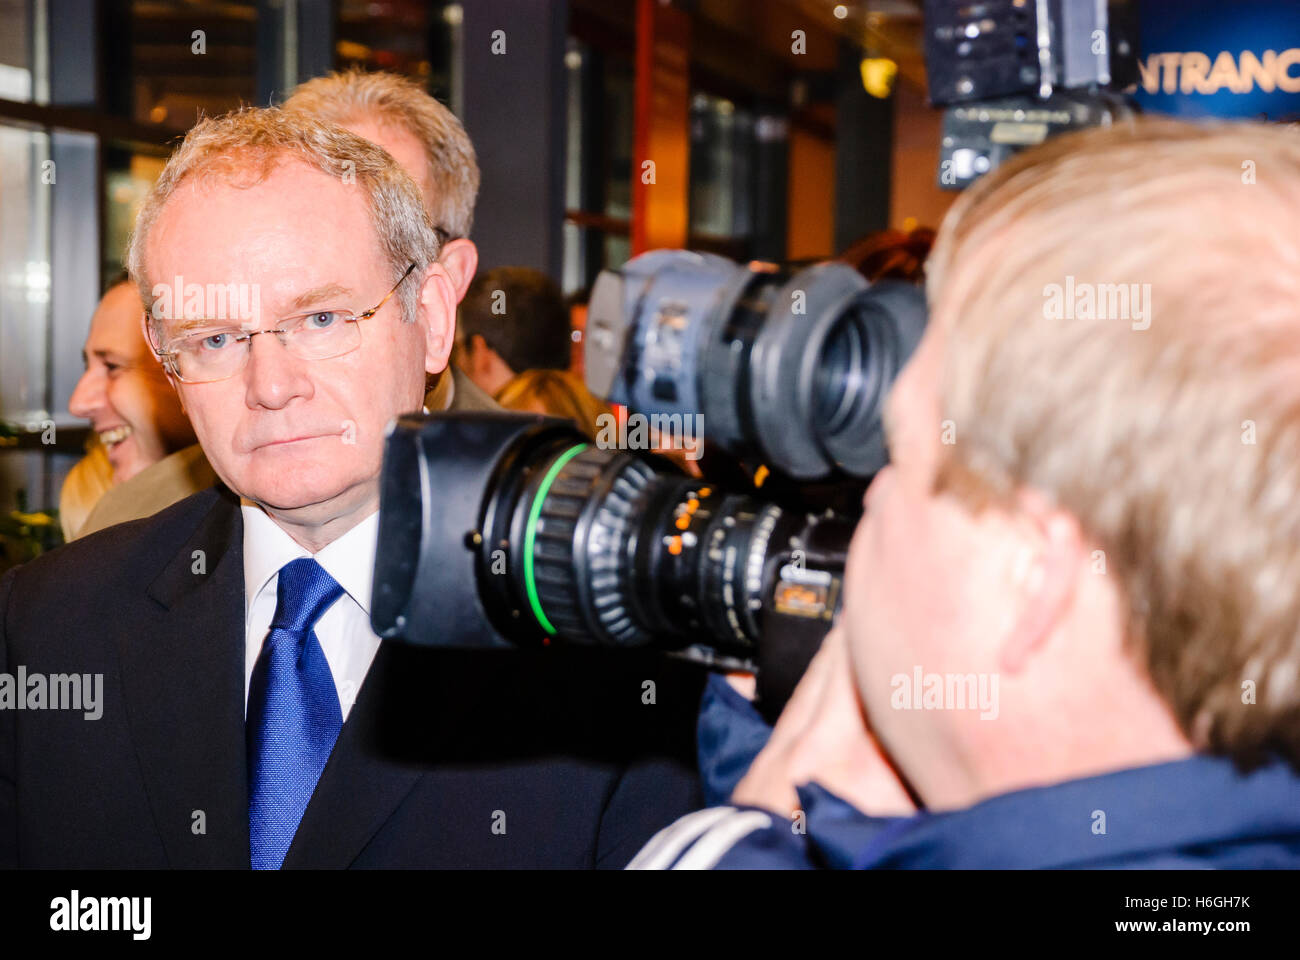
column 247, row 713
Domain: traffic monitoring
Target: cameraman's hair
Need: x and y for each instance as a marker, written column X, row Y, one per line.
column 519, row 312
column 1177, row 447
column 243, row 147
column 398, row 102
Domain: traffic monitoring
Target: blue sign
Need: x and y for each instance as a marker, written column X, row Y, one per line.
column 1221, row 58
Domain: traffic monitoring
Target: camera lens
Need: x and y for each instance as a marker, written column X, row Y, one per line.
column 840, row 376
column 611, row 549
column 864, row 352
column 787, row 370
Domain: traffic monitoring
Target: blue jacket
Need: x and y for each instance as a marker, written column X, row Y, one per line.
column 730, row 733
column 1188, row 814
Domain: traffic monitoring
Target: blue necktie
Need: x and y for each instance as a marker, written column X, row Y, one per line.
column 293, row 712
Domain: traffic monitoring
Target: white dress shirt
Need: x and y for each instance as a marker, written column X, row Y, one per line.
column 343, row 630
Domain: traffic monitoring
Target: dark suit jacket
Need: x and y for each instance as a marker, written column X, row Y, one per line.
column 447, row 758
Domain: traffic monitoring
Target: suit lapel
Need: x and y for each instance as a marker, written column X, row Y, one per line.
column 183, row 679
column 359, row 788
column 184, row 687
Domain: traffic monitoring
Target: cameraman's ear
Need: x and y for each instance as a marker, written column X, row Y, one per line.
column 1046, row 584
column 437, row 311
column 460, row 257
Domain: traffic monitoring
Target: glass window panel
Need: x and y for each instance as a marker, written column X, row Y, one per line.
column 128, row 175
column 574, row 68
column 619, row 111
column 24, row 273
column 403, row 36
column 574, row 267
column 618, row 248
column 24, row 310
column 171, row 60
column 722, row 139
column 23, row 74
column 74, row 262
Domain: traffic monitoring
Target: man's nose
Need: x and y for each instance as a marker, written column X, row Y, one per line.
column 89, row 396
column 273, row 375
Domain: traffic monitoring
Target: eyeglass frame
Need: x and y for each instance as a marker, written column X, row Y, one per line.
column 168, row 357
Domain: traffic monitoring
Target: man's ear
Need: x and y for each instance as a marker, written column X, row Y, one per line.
column 460, row 257
column 146, row 334
column 437, row 307
column 1047, row 583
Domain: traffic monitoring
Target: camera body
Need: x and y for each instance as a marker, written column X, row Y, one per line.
column 1014, row 72
column 542, row 536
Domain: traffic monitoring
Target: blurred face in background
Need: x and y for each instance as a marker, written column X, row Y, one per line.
column 403, row 148
column 458, row 255
column 124, row 392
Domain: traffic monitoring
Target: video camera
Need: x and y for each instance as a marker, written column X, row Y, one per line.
column 517, row 530
column 1014, row 72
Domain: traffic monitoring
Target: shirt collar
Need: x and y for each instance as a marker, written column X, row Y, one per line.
column 350, row 559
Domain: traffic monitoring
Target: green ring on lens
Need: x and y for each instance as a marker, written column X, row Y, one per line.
column 530, row 532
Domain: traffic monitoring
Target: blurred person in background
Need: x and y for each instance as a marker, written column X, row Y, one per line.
column 535, row 327
column 140, row 427
column 429, row 142
column 557, row 393
column 86, row 483
column 511, row 320
column 891, row 254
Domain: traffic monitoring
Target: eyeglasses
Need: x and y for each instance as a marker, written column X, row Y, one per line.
column 219, row 353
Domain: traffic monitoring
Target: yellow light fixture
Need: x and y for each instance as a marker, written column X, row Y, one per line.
column 878, row 75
